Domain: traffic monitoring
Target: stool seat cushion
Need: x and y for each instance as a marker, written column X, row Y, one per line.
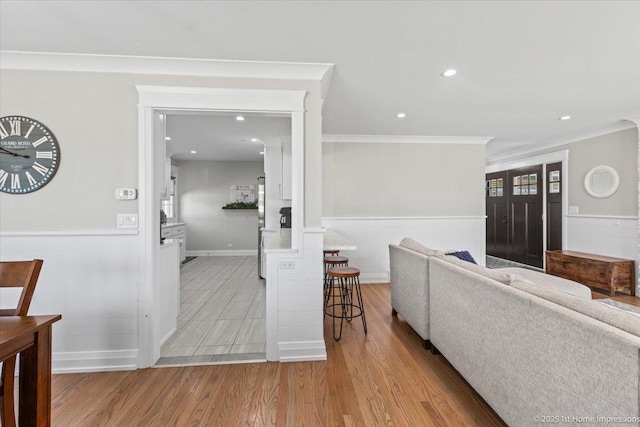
column 344, row 272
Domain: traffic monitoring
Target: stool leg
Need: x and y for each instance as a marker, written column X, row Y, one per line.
column 338, row 288
column 360, row 303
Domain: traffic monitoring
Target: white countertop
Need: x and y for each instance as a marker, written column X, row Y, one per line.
column 337, row 242
column 173, row 224
column 281, row 241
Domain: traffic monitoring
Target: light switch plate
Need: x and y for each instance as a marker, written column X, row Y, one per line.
column 127, row 220
column 574, row 209
column 126, row 194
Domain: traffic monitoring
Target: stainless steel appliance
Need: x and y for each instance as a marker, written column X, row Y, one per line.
column 261, row 223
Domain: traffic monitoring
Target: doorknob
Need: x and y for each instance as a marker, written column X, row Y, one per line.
column 504, row 219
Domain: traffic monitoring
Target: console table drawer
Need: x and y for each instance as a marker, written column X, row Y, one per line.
column 602, row 272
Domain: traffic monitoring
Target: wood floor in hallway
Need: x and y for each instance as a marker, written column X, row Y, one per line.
column 222, row 312
column 382, row 378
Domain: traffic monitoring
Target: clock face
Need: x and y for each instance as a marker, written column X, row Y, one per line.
column 29, row 155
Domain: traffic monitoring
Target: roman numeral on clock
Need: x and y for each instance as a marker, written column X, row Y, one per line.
column 31, row 179
column 44, row 154
column 3, row 132
column 40, row 169
column 15, row 181
column 26, row 135
column 16, row 126
column 40, row 141
column 3, row 177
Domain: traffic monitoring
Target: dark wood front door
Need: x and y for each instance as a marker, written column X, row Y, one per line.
column 514, row 215
column 554, row 206
column 525, row 221
column 497, row 214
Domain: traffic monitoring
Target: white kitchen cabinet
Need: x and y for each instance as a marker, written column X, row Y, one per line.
column 177, row 231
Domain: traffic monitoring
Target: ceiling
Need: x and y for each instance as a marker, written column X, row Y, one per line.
column 221, row 137
column 521, row 65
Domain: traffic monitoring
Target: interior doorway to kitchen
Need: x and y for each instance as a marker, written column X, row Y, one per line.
column 216, row 159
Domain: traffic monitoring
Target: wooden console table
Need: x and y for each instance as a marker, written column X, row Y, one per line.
column 31, row 337
column 598, row 271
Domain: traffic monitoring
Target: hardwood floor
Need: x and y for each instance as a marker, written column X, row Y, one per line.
column 383, row 378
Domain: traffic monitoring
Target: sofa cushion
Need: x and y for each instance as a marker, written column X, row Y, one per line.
column 548, row 281
column 618, row 318
column 496, row 275
column 418, row 247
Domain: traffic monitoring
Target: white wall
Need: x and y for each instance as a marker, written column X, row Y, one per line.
column 203, row 191
column 375, row 194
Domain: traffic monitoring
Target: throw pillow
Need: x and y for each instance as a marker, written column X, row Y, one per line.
column 463, row 255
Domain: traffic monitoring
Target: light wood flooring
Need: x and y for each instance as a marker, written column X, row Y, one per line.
column 222, row 312
column 383, row 378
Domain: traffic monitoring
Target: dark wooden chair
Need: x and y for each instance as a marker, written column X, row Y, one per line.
column 15, row 274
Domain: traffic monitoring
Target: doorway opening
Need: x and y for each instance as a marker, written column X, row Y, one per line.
column 153, row 102
column 218, row 165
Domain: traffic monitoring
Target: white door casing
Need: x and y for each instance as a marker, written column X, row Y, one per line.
column 161, row 99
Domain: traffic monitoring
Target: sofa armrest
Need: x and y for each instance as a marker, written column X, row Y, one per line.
column 409, row 273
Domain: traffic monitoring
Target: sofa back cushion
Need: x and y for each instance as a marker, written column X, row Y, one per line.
column 496, row 275
column 418, row 247
column 620, row 319
column 550, row 282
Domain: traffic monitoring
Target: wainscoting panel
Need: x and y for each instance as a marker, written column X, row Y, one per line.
column 372, row 236
column 92, row 280
column 611, row 236
column 616, row 237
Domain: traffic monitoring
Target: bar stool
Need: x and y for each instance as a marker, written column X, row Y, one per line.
column 331, row 252
column 345, row 296
column 330, row 262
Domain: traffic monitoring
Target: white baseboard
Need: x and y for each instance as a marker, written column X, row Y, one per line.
column 302, row 351
column 166, row 338
column 220, row 252
column 94, row 361
column 374, row 278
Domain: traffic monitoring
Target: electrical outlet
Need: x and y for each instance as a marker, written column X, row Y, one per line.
column 287, row 264
column 574, row 209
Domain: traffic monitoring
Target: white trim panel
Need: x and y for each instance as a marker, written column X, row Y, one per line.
column 165, row 65
column 614, row 237
column 302, row 351
column 94, row 361
column 92, row 281
column 405, row 139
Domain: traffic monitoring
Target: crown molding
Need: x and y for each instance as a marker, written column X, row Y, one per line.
column 405, row 139
column 593, row 133
column 15, row 60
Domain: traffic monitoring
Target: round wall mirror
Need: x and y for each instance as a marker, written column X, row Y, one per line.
column 602, row 181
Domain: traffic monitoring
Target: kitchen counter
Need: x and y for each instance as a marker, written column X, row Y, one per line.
column 172, row 224
column 281, row 241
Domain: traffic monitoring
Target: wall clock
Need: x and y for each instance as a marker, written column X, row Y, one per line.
column 29, row 155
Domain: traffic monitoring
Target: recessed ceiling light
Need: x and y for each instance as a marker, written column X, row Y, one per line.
column 401, row 115
column 565, row 118
column 449, row 73
column 167, row 138
column 254, row 139
column 240, row 118
column 193, row 151
column 262, row 152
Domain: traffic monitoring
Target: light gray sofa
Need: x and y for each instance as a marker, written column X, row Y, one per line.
column 530, row 351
